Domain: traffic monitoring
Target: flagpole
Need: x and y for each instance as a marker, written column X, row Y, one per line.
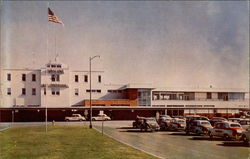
column 46, row 110
column 55, row 40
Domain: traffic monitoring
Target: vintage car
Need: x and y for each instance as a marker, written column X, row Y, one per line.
column 177, row 124
column 216, row 119
column 101, row 117
column 234, row 119
column 75, row 117
column 164, row 116
column 149, row 124
column 198, row 127
column 226, row 130
column 246, row 136
column 245, row 123
column 138, row 121
column 164, row 123
column 195, row 117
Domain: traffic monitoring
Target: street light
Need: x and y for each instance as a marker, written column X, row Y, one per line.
column 90, row 91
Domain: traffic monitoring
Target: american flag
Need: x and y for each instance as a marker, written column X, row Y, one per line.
column 53, row 18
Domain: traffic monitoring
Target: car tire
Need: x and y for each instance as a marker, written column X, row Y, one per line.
column 197, row 132
column 226, row 137
column 67, row 120
column 210, row 135
column 244, row 139
column 80, row 120
column 93, row 119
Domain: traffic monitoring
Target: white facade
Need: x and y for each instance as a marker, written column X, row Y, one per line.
column 198, row 101
column 55, row 85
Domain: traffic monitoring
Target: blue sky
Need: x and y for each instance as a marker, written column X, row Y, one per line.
column 171, row 43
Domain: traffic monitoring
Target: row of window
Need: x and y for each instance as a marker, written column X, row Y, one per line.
column 115, row 91
column 88, row 91
column 33, row 91
column 86, row 78
column 54, row 65
column 54, row 77
column 33, row 77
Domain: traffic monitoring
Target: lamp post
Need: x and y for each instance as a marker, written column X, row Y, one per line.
column 90, row 91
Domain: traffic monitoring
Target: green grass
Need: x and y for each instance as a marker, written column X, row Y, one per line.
column 63, row 142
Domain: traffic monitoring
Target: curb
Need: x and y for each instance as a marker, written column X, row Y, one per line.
column 5, row 128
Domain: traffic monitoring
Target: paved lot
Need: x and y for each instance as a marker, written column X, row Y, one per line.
column 169, row 145
column 175, row 145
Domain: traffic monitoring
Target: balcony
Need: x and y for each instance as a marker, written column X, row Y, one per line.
column 56, row 70
column 55, row 85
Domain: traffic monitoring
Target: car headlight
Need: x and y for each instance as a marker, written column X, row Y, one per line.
column 239, row 131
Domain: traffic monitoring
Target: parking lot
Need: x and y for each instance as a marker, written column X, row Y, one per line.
column 170, row 144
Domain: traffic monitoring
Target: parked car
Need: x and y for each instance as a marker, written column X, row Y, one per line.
column 101, row 117
column 226, row 130
column 138, row 121
column 234, row 119
column 245, row 123
column 75, row 117
column 198, row 127
column 177, row 124
column 195, row 117
column 216, row 119
column 165, row 116
column 164, row 123
column 246, row 136
column 149, row 124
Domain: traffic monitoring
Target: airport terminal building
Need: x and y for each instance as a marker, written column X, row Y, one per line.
column 25, row 93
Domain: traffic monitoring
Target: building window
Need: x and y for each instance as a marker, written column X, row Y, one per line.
column 58, row 78
column 55, row 78
column 33, row 91
column 23, row 91
column 8, row 91
column 33, row 77
column 209, row 95
column 76, row 78
column 94, row 91
column 44, row 91
column 76, row 91
column 99, row 78
column 85, row 78
column 9, row 77
column 23, row 77
column 55, row 92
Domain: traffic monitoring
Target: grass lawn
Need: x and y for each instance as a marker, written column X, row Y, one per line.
column 61, row 142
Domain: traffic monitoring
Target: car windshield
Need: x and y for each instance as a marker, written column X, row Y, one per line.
column 235, row 126
column 205, row 123
column 151, row 120
column 167, row 119
column 181, row 121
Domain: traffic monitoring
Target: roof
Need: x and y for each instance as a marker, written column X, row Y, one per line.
column 190, row 89
column 138, row 86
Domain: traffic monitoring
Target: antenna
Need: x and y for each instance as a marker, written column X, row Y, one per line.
column 33, row 59
column 56, row 57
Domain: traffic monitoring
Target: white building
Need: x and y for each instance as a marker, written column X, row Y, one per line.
column 56, row 86
column 53, row 86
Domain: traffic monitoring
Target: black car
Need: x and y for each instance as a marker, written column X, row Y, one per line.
column 191, row 119
column 138, row 121
column 216, row 119
column 149, row 124
column 164, row 123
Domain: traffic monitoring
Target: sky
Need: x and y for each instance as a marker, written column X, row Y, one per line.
column 167, row 44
